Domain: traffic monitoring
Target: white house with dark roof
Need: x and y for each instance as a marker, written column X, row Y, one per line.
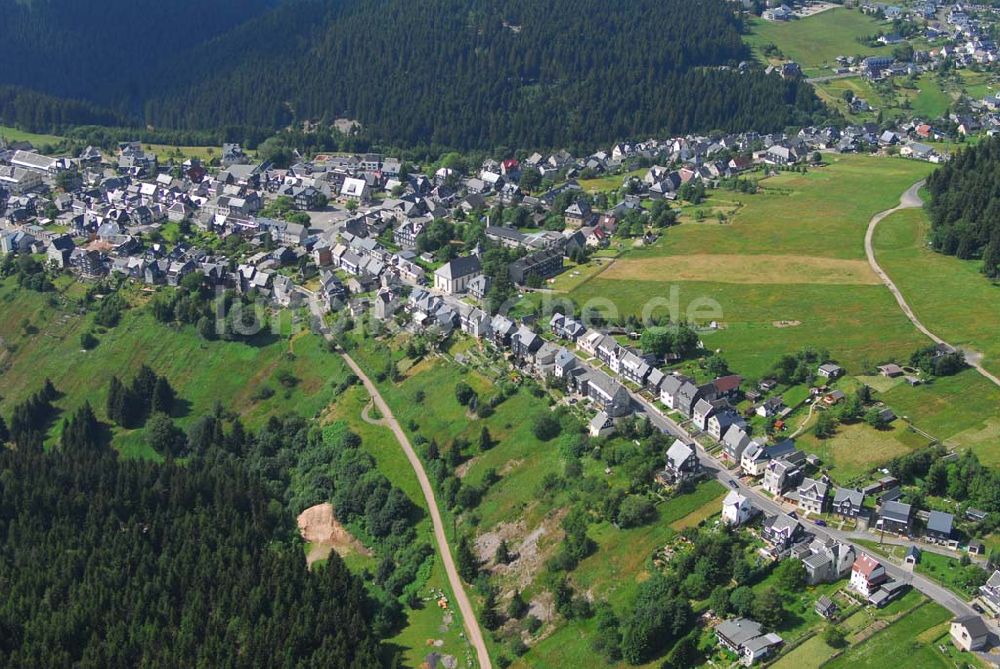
column 454, row 276
column 736, row 509
column 969, row 633
column 812, row 494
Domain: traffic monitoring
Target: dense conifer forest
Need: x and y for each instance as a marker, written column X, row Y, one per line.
column 446, row 73
column 965, row 205
column 193, row 562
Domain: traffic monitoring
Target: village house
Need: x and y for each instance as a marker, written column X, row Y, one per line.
column 939, row 527
column 989, row 592
column 607, row 393
column 812, row 494
column 828, row 561
column 682, row 464
column 781, row 475
column 848, row 503
column 747, row 639
column 867, row 575
column 735, row 440
column 896, row 517
column 969, row 633
column 601, row 425
column 780, row 531
column 736, row 509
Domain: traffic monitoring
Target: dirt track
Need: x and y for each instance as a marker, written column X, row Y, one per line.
column 464, row 604
column 910, row 199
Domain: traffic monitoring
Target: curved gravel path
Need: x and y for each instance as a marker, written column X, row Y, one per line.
column 472, row 630
column 910, row 199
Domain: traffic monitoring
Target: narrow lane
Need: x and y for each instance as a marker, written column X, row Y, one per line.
column 471, row 623
column 911, row 200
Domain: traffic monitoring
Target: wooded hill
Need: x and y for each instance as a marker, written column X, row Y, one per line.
column 965, row 205
column 446, row 73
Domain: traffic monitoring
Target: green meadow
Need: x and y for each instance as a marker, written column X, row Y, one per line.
column 788, row 271
column 38, row 140
column 950, row 296
column 43, row 341
column 816, row 41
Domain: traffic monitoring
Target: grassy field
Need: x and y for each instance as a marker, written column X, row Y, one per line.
column 202, row 372
column 816, row 41
column 855, row 449
column 931, row 281
column 944, row 570
column 931, row 101
column 425, row 623
column 794, row 252
column 15, row 135
column 609, row 183
column 906, row 637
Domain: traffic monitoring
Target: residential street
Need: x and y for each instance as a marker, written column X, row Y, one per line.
column 769, row 506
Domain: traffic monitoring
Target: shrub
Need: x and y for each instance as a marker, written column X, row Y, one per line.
column 546, row 427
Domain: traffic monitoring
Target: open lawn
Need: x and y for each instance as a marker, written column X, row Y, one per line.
column 752, row 269
column 612, row 182
column 425, row 622
column 960, row 410
column 858, row 324
column 38, row 140
column 949, row 572
column 801, row 241
column 931, row 101
column 201, row 372
column 816, row 41
column 901, row 639
column 576, row 275
column 810, row 655
column 857, row 448
column 950, row 296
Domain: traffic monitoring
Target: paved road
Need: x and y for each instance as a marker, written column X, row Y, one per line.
column 769, row 506
column 472, row 630
column 911, row 200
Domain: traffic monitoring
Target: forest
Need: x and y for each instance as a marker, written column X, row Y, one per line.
column 195, row 561
column 479, row 74
column 965, row 205
column 109, row 563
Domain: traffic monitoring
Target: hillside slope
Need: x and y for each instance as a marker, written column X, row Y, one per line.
column 441, row 73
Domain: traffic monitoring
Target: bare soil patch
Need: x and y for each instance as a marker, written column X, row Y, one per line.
column 786, row 324
column 320, row 527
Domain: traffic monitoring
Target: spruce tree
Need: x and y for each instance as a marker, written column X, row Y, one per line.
column 162, row 399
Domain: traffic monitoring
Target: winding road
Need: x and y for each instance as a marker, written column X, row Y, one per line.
column 910, row 199
column 471, row 623
column 472, row 630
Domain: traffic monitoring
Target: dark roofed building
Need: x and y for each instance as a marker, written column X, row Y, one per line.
column 543, row 264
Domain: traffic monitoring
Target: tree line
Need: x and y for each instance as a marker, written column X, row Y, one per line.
column 449, row 74
column 964, row 207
